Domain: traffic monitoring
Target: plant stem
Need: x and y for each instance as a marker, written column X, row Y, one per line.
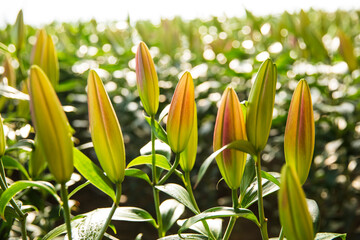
column 172, row 169
column 281, row 236
column 193, row 200
column 232, row 221
column 155, row 182
column 262, row 219
column 112, row 211
column 65, row 200
column 22, row 216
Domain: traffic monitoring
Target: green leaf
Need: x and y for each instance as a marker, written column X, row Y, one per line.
column 161, row 161
column 215, row 226
column 78, row 189
column 18, row 186
column 3, row 48
column 24, row 144
column 248, row 176
column 270, row 177
column 13, row 93
column 75, row 222
column 93, row 173
column 133, row 172
column 158, row 130
column 160, row 148
column 241, row 145
column 184, row 236
column 164, row 112
column 250, row 195
column 12, row 163
column 330, row 236
column 179, row 193
column 170, row 211
column 219, row 212
column 132, row 214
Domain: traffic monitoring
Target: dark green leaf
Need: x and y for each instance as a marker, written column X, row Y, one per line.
column 219, row 212
column 250, row 195
column 270, row 177
column 24, row 144
column 330, row 236
column 170, row 211
column 93, row 173
column 133, row 172
column 132, row 214
column 179, row 193
column 12, row 163
column 78, row 189
column 18, row 186
column 158, row 130
column 215, row 226
column 161, row 161
column 62, row 228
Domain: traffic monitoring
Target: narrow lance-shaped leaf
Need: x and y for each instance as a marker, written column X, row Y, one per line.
column 188, row 156
column 261, row 104
column 229, row 127
column 293, row 209
column 181, row 114
column 147, row 80
column 105, row 130
column 299, row 136
column 51, row 125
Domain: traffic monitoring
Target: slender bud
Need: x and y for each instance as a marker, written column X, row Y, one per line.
column 346, row 50
column 147, row 80
column 299, row 137
column 105, row 130
column 19, row 31
column 188, row 156
column 44, row 55
column 51, row 125
column 229, row 127
column 181, row 114
column 293, row 209
column 9, row 72
column 2, row 138
column 261, row 105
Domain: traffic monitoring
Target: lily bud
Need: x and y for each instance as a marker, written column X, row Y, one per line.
column 346, row 50
column 229, row 127
column 37, row 162
column 299, row 137
column 51, row 125
column 261, row 104
column 293, row 209
column 181, row 114
column 9, row 72
column 105, row 130
column 147, row 80
column 44, row 55
column 2, row 138
column 19, row 31
column 188, row 156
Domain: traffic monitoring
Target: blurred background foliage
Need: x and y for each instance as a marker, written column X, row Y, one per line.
column 323, row 48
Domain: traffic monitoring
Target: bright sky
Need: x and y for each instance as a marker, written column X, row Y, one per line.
column 40, row 12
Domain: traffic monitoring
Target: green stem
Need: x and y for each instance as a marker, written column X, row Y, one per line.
column 172, row 169
column 22, row 216
column 65, row 200
column 262, row 219
column 281, row 236
column 155, row 182
column 193, row 200
column 112, row 211
column 232, row 221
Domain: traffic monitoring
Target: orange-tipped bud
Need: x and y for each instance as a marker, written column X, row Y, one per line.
column 181, row 114
column 188, row 156
column 299, row 137
column 44, row 55
column 261, row 105
column 293, row 209
column 147, row 80
column 105, row 130
column 51, row 125
column 229, row 127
